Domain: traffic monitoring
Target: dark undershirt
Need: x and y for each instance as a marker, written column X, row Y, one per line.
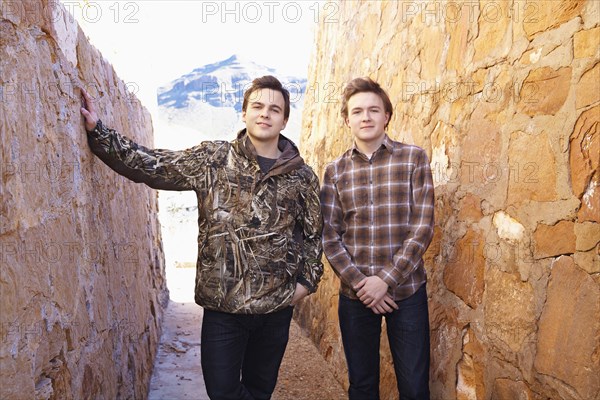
column 265, row 163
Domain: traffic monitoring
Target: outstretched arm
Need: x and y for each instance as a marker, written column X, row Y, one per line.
column 157, row 168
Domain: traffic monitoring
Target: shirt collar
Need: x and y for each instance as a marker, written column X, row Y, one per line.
column 387, row 144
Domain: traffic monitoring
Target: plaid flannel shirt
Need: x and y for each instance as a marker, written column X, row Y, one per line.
column 378, row 217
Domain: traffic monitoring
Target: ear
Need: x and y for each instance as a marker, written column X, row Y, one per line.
column 347, row 121
column 387, row 118
column 244, row 116
column 285, row 121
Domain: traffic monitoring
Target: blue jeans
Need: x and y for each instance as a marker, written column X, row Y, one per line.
column 408, row 334
column 250, row 345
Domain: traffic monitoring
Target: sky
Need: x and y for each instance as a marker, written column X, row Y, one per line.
column 151, row 42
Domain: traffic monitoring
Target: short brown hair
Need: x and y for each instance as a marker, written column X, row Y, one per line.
column 268, row 82
column 362, row 85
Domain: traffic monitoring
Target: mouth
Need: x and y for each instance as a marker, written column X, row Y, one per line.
column 367, row 127
column 263, row 124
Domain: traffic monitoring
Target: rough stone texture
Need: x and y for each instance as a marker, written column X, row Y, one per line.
column 470, row 369
column 464, row 274
column 506, row 389
column 544, row 91
column 503, row 96
column 554, row 240
column 586, row 93
column 82, row 272
column 533, row 172
column 587, row 236
column 545, row 15
column 509, row 312
column 584, row 160
column 587, row 43
column 568, row 348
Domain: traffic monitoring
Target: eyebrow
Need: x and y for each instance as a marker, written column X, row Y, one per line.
column 262, row 104
column 362, row 108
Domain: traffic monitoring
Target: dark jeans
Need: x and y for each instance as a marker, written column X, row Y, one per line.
column 408, row 334
column 252, row 345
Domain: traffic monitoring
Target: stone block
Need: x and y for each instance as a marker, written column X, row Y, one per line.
column 587, row 43
column 507, row 389
column 554, row 240
column 494, row 25
column 540, row 15
column 569, row 331
column 584, row 150
column 509, row 311
column 464, row 271
column 544, row 91
column 471, row 368
column 588, row 88
column 587, row 236
column 470, row 208
column 532, row 168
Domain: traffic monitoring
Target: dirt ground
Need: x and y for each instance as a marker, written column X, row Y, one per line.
column 304, row 374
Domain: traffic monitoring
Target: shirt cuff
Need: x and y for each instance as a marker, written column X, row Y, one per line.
column 304, row 282
column 97, row 128
column 388, row 278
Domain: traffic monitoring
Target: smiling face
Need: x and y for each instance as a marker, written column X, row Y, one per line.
column 367, row 119
column 264, row 115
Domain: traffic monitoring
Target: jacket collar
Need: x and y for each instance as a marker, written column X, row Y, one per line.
column 289, row 159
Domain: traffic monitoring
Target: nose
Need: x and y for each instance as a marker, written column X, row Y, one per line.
column 265, row 112
column 366, row 116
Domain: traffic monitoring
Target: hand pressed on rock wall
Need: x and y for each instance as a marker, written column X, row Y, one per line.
column 89, row 111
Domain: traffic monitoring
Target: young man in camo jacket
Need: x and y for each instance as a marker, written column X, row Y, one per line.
column 259, row 242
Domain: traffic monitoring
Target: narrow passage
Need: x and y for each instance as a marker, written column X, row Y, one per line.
column 177, row 375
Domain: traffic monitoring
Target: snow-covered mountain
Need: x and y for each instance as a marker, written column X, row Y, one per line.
column 207, row 102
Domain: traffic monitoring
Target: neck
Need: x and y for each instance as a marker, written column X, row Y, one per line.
column 368, row 148
column 268, row 149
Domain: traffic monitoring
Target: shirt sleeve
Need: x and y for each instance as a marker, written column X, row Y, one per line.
column 333, row 230
column 409, row 256
column 159, row 169
column 312, row 223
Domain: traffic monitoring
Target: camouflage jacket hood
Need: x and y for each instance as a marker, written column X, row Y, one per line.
column 258, row 234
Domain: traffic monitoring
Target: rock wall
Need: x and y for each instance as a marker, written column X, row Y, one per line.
column 82, row 273
column 505, row 98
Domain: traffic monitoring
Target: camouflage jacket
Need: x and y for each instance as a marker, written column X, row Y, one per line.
column 259, row 234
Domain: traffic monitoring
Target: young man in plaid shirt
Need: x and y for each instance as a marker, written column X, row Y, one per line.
column 377, row 201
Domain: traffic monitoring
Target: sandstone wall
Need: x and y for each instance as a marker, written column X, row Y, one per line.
column 82, row 274
column 505, row 98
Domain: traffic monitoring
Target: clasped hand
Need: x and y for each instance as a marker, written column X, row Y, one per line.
column 372, row 291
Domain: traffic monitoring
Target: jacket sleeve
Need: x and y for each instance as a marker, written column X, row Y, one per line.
column 159, row 169
column 312, row 224
column 409, row 255
column 333, row 230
